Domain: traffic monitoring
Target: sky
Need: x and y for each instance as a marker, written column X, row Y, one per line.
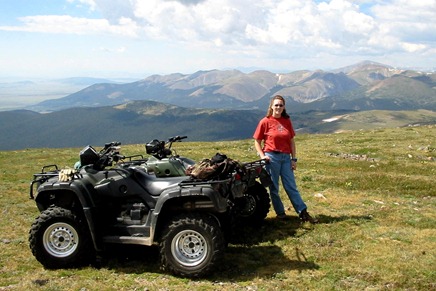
column 138, row 38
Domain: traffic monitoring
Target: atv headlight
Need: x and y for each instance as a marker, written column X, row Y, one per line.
column 88, row 156
column 153, row 147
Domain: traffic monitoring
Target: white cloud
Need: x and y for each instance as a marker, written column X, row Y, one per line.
column 260, row 33
column 331, row 24
column 90, row 3
column 119, row 50
column 66, row 24
column 405, row 25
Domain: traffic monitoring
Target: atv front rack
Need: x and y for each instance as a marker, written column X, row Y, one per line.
column 43, row 176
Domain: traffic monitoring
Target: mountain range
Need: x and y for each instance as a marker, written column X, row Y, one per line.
column 223, row 105
column 364, row 86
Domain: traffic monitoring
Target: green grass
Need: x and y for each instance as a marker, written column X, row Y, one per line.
column 377, row 230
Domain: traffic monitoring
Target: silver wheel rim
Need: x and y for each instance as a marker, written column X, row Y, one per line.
column 189, row 248
column 60, row 240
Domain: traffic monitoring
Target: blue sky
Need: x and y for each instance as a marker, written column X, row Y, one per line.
column 135, row 38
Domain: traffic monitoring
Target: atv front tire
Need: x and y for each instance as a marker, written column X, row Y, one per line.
column 59, row 240
column 191, row 245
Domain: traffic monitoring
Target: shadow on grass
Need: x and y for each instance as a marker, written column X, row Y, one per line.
column 244, row 258
column 239, row 262
column 133, row 259
column 270, row 230
column 325, row 219
column 273, row 229
column 245, row 263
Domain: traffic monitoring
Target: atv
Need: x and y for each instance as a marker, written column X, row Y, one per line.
column 110, row 201
column 164, row 161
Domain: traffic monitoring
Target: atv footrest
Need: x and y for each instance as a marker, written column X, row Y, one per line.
column 133, row 240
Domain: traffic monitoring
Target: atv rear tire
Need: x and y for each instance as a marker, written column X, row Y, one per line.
column 59, row 240
column 191, row 245
column 253, row 207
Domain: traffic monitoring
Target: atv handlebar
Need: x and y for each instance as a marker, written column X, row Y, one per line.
column 110, row 146
column 176, row 138
column 108, row 154
column 162, row 149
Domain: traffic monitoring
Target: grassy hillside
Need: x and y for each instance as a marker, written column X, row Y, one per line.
column 365, row 120
column 142, row 121
column 373, row 191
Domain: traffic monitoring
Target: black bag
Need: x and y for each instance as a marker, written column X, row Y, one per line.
column 218, row 158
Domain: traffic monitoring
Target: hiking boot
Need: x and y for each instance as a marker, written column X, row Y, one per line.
column 282, row 216
column 305, row 217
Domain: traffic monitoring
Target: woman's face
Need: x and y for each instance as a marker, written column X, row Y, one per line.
column 277, row 107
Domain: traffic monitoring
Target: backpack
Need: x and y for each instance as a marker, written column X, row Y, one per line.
column 218, row 167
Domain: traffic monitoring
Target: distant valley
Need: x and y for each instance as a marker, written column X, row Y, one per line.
column 18, row 94
column 138, row 122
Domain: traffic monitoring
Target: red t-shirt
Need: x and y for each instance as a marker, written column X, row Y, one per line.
column 276, row 134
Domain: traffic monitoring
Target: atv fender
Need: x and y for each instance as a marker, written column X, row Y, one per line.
column 176, row 200
column 196, row 197
column 70, row 195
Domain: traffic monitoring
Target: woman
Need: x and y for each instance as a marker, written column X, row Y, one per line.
column 277, row 134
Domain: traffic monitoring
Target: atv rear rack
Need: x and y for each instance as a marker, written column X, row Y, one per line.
column 255, row 164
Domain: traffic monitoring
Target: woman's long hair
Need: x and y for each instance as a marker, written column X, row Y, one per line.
column 271, row 103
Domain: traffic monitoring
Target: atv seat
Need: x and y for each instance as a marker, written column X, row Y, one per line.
column 154, row 185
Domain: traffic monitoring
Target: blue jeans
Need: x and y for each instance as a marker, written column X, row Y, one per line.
column 280, row 166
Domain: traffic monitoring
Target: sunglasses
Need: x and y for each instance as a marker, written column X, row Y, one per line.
column 278, row 105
